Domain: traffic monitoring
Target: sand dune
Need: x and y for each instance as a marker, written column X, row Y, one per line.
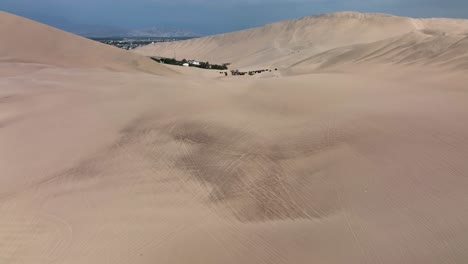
column 104, row 166
column 415, row 48
column 26, row 41
column 287, row 43
column 265, row 44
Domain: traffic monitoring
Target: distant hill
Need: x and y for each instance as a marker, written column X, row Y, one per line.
column 92, row 31
column 154, row 32
column 161, row 32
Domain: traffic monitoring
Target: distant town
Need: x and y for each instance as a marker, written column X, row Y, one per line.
column 132, row 43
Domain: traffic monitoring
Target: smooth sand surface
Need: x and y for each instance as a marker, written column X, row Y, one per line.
column 355, row 163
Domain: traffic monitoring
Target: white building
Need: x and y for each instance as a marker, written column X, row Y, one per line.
column 193, row 62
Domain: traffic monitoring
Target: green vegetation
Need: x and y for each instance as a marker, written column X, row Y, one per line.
column 191, row 63
column 168, row 61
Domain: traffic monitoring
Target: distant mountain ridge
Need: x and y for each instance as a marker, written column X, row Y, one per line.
column 103, row 32
column 161, row 32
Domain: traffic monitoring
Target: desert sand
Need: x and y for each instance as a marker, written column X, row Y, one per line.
column 353, row 152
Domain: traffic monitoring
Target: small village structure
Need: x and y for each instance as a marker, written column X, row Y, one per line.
column 194, row 62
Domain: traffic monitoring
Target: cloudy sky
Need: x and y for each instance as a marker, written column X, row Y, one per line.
column 211, row 16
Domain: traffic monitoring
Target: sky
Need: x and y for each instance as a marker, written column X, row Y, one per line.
column 208, row 17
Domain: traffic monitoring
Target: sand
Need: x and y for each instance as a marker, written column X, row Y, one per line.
column 26, row 41
column 349, row 163
column 326, row 40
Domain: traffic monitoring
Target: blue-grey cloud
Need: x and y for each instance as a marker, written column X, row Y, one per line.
column 209, row 16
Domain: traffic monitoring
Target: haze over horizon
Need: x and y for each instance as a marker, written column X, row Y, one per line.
column 207, row 17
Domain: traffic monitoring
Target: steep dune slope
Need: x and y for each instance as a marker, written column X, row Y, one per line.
column 327, row 39
column 26, row 41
